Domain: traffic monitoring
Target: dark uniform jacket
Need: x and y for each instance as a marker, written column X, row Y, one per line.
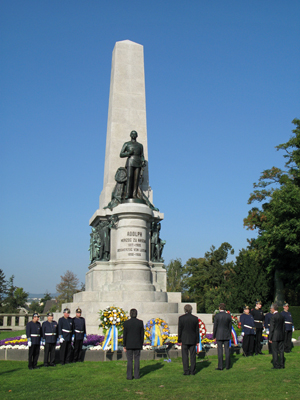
column 248, row 324
column 268, row 320
column 50, row 331
column 65, row 328
column 258, row 317
column 222, row 326
column 34, row 332
column 188, row 329
column 277, row 328
column 288, row 320
column 79, row 328
column 133, row 334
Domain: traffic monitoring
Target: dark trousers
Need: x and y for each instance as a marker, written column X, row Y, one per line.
column 49, row 350
column 288, row 341
column 65, row 352
column 220, row 353
column 278, row 349
column 185, row 350
column 133, row 355
column 78, row 350
column 33, row 355
column 248, row 345
column 269, row 346
column 258, row 338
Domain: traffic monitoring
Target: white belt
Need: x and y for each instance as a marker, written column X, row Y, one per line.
column 78, row 331
column 247, row 326
column 49, row 334
column 34, row 335
column 287, row 322
column 64, row 330
column 258, row 321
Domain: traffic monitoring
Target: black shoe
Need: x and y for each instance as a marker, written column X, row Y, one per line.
column 275, row 368
column 62, row 363
column 261, row 353
column 219, row 369
column 282, row 367
column 36, row 367
column 227, row 368
column 30, row 368
column 186, row 373
column 46, row 365
column 52, row 365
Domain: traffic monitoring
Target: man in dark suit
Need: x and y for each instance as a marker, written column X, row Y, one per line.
column 222, row 332
column 188, row 338
column 133, row 339
column 276, row 337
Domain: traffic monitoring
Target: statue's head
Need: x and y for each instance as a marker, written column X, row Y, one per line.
column 133, row 134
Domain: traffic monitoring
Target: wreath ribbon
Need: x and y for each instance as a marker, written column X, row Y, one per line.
column 156, row 339
column 111, row 337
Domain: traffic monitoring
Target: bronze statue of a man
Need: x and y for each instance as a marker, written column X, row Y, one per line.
column 135, row 161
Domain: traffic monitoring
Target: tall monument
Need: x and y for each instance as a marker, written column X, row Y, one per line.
column 126, row 268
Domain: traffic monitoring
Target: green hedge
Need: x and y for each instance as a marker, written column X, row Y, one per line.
column 295, row 311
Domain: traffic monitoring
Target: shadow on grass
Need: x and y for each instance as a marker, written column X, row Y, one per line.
column 150, row 368
column 234, row 359
column 10, row 371
column 201, row 365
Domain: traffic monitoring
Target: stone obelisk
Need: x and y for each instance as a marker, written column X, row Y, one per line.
column 126, row 268
column 126, row 111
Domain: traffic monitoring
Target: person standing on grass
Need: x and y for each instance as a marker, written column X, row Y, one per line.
column 188, row 338
column 276, row 337
column 258, row 316
column 288, row 322
column 267, row 328
column 65, row 331
column 222, row 333
column 33, row 333
column 133, row 339
column 248, row 333
column 49, row 333
column 79, row 335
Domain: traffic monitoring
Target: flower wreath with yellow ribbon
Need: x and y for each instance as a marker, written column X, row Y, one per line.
column 159, row 322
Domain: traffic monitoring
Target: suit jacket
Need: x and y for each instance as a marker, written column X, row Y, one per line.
column 188, row 329
column 133, row 335
column 277, row 328
column 222, row 326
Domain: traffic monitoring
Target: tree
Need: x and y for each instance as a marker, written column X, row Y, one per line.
column 206, row 278
column 175, row 273
column 2, row 287
column 16, row 297
column 67, row 287
column 278, row 220
column 248, row 281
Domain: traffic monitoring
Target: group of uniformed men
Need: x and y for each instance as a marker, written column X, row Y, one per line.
column 51, row 333
column 254, row 322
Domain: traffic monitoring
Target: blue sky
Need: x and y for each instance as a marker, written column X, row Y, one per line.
column 222, row 87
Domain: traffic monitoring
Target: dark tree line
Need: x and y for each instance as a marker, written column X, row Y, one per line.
column 269, row 268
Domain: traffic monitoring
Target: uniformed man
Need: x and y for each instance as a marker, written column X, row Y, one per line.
column 288, row 322
column 258, row 317
column 79, row 335
column 65, row 331
column 50, row 335
column 248, row 332
column 267, row 328
column 33, row 333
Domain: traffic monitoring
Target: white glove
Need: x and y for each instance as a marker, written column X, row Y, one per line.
column 243, row 334
column 61, row 340
column 29, row 343
column 73, row 337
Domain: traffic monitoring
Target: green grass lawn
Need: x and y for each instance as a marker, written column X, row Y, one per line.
column 9, row 334
column 249, row 378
